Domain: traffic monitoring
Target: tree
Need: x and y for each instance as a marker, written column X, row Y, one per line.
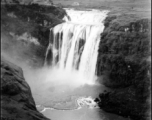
column 16, row 1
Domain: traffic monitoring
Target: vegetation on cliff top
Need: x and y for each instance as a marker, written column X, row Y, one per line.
column 123, row 61
column 32, row 21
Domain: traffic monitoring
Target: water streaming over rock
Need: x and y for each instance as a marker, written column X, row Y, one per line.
column 73, row 45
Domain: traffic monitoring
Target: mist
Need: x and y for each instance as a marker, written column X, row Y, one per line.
column 47, row 83
column 51, row 87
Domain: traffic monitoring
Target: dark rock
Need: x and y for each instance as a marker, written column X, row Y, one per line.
column 97, row 100
column 17, row 102
column 125, row 102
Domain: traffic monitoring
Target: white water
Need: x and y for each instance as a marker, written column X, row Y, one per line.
column 80, row 103
column 74, row 44
column 61, row 91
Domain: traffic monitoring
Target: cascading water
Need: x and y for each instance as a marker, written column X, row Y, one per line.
column 73, row 45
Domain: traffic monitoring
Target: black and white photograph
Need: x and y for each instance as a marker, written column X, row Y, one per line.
column 75, row 60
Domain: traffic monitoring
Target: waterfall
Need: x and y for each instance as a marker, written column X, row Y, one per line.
column 73, row 45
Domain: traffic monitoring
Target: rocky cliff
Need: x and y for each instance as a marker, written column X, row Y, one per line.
column 17, row 102
column 124, row 63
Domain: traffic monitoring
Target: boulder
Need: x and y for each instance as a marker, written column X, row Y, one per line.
column 17, row 102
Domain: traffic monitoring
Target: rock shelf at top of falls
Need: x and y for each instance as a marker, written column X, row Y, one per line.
column 92, row 17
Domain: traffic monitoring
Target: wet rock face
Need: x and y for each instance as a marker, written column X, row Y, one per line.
column 17, row 102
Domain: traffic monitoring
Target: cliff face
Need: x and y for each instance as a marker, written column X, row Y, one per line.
column 16, row 99
column 125, row 43
column 124, row 63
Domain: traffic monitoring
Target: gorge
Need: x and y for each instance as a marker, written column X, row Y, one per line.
column 70, row 65
column 81, row 62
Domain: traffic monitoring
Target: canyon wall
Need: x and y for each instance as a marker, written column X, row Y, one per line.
column 17, row 102
column 124, row 64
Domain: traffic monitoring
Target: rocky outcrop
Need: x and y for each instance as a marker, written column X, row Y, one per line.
column 123, row 61
column 17, row 102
